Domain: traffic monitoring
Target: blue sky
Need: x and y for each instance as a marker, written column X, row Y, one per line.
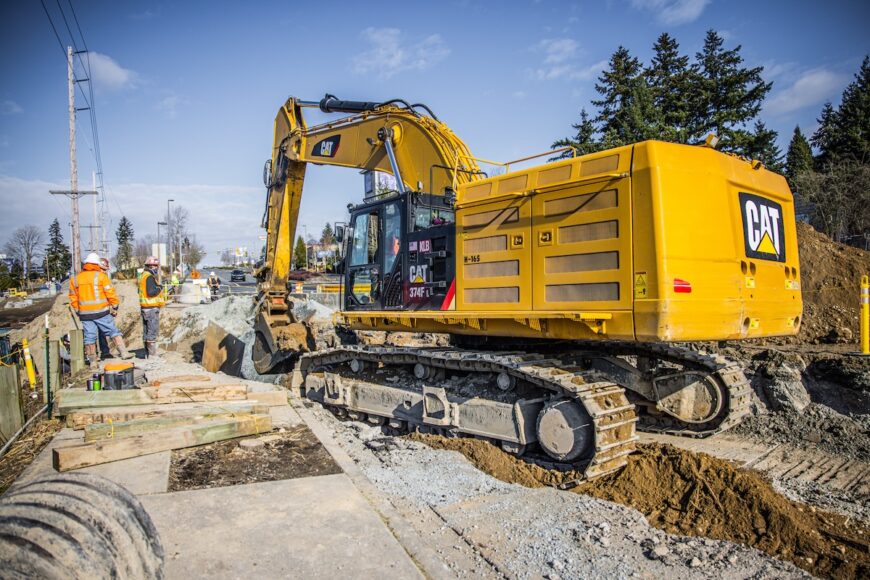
column 186, row 92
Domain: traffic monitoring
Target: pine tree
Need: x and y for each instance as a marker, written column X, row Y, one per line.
column 327, row 237
column 762, row 146
column 124, row 235
column 300, row 253
column 799, row 156
column 58, row 260
column 626, row 113
column 583, row 140
column 844, row 134
column 729, row 95
column 853, row 116
column 671, row 81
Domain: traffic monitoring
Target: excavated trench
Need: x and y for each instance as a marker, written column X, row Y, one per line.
column 698, row 495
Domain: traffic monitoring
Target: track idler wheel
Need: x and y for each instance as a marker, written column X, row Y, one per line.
column 565, row 430
column 689, row 396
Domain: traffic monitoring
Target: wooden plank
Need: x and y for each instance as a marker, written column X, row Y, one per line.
column 180, row 379
column 98, row 431
column 11, row 417
column 222, row 351
column 81, row 419
column 270, row 398
column 104, row 451
column 76, row 350
column 74, row 399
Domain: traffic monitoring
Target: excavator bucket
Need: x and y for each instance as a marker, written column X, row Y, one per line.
column 277, row 345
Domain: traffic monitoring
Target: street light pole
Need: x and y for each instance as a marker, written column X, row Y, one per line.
column 158, row 238
column 169, row 229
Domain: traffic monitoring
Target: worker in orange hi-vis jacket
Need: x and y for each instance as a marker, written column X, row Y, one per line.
column 93, row 297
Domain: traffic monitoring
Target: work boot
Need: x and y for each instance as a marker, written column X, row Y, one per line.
column 123, row 353
column 91, row 356
column 151, row 349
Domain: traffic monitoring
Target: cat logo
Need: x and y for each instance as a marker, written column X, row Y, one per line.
column 763, row 231
column 326, row 148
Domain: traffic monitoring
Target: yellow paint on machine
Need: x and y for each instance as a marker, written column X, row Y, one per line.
column 653, row 242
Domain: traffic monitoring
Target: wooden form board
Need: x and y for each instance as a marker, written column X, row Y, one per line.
column 74, row 399
column 118, row 429
column 81, row 419
column 76, row 350
column 105, row 451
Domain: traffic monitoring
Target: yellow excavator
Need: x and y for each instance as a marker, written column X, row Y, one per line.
column 566, row 286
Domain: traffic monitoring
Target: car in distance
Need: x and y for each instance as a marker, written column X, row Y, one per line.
column 237, row 276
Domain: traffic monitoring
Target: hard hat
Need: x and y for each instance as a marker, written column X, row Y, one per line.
column 152, row 261
column 104, row 263
column 93, row 258
column 212, row 274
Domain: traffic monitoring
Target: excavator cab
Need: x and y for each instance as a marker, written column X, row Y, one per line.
column 400, row 250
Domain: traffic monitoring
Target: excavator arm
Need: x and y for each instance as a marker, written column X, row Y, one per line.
column 393, row 137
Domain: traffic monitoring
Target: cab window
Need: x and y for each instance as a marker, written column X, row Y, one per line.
column 392, row 235
column 427, row 217
column 364, row 246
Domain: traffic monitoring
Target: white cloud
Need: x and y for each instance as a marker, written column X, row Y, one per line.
column 673, row 12
column 108, row 74
column 811, row 88
column 8, row 107
column 388, row 56
column 561, row 61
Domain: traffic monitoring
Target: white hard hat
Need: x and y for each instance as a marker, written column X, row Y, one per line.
column 93, row 258
column 212, row 274
column 152, row 261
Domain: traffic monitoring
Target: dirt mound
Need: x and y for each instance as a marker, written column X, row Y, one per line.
column 830, row 283
column 698, row 495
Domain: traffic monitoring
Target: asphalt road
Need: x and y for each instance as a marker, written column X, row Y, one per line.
column 249, row 286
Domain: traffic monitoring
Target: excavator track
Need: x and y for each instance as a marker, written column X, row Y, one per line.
column 728, row 375
column 547, row 387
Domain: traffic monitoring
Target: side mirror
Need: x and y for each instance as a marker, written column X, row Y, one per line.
column 267, row 173
column 339, row 233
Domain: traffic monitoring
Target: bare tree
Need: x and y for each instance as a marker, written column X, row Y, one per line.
column 841, row 196
column 24, row 245
column 194, row 252
column 179, row 223
column 142, row 249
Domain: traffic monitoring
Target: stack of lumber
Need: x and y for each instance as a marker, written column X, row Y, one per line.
column 172, row 413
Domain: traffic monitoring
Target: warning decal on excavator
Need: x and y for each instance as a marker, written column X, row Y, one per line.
column 327, row 147
column 640, row 287
column 763, row 233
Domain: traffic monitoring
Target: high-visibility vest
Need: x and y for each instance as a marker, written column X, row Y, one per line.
column 91, row 292
column 146, row 301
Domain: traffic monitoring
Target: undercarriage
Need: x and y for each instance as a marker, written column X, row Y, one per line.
column 577, row 407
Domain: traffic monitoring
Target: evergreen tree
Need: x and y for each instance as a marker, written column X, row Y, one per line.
column 626, row 113
column 58, row 260
column 583, row 140
column 844, row 134
column 762, row 146
column 671, row 81
column 729, row 95
column 853, row 137
column 300, row 253
column 327, row 237
column 124, row 236
column 799, row 156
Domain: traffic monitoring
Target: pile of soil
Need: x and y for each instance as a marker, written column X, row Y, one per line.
column 695, row 494
column 830, row 285
column 294, row 453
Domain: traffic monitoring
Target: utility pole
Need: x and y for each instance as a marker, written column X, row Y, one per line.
column 73, row 192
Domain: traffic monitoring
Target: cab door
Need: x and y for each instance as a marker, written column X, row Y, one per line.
column 364, row 256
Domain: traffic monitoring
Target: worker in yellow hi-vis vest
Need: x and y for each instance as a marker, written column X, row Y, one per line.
column 151, row 300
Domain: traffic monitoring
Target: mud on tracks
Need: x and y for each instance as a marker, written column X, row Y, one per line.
column 698, row 495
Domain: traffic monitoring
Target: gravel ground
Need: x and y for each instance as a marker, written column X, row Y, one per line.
column 486, row 528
